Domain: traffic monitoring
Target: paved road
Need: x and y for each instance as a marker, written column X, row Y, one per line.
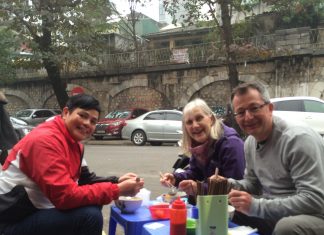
column 115, row 157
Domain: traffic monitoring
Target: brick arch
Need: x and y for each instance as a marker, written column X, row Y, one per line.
column 190, row 91
column 128, row 84
column 51, row 101
column 139, row 96
column 20, row 95
column 317, row 89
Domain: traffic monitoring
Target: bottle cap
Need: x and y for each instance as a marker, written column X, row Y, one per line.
column 194, row 212
column 178, row 204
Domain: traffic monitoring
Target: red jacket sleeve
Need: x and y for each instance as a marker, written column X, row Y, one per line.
column 54, row 165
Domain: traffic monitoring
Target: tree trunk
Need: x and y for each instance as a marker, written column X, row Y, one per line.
column 54, row 76
column 233, row 75
column 52, row 68
column 228, row 39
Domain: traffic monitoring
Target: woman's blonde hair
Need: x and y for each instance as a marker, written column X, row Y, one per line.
column 216, row 131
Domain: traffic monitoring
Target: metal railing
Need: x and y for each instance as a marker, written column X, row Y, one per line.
column 247, row 49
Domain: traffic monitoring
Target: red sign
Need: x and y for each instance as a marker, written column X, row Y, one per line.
column 77, row 90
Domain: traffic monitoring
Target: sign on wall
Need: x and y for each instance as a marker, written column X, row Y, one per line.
column 180, row 55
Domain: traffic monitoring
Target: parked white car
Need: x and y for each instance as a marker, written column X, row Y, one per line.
column 154, row 127
column 307, row 109
column 21, row 127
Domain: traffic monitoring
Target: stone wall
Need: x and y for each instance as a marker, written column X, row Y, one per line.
column 174, row 87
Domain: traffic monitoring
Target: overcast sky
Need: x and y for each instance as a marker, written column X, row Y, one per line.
column 151, row 9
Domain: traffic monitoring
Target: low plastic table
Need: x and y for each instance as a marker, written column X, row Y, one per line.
column 163, row 228
column 132, row 223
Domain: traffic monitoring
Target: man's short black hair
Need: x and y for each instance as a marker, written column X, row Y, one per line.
column 83, row 101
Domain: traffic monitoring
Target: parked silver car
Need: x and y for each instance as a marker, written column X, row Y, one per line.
column 309, row 110
column 36, row 116
column 154, row 127
column 21, row 127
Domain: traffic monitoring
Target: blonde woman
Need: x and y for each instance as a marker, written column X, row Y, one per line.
column 211, row 144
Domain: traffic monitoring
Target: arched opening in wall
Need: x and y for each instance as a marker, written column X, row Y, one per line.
column 317, row 89
column 217, row 96
column 15, row 104
column 51, row 102
column 143, row 97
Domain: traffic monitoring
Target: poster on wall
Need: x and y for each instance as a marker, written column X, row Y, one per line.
column 180, row 56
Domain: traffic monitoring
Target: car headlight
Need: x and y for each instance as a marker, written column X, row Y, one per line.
column 116, row 123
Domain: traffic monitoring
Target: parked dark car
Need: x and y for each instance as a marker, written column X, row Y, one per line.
column 21, row 127
column 113, row 122
column 34, row 117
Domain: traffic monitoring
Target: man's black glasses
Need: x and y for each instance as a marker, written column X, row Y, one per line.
column 252, row 110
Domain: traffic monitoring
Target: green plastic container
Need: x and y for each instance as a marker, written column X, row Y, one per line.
column 213, row 215
column 191, row 226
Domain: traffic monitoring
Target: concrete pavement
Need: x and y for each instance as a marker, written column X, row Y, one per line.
column 115, row 141
column 110, row 141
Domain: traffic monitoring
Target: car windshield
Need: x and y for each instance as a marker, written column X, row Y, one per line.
column 117, row 114
column 23, row 113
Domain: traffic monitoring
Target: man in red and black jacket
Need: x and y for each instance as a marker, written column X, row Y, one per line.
column 46, row 186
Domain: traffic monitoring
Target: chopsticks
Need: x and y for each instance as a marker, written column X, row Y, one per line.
column 161, row 175
column 173, row 189
column 216, row 172
column 215, row 186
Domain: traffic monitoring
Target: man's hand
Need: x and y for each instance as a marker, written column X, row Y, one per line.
column 130, row 187
column 126, row 177
column 240, row 200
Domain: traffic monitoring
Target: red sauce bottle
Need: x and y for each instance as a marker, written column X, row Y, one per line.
column 178, row 217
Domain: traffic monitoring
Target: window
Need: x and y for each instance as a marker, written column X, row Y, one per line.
column 42, row 114
column 123, row 114
column 313, row 106
column 173, row 117
column 289, row 105
column 139, row 112
column 24, row 113
column 154, row 116
column 117, row 114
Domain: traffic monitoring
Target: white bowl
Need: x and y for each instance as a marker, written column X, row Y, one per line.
column 231, row 211
column 128, row 204
column 170, row 198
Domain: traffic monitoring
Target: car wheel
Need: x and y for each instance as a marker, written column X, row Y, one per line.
column 156, row 143
column 98, row 137
column 139, row 137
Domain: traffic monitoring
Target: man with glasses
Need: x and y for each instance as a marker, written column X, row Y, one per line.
column 282, row 192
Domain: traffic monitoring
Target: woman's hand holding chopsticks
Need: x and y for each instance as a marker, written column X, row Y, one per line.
column 189, row 187
column 167, row 179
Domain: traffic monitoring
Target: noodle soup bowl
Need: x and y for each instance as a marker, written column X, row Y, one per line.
column 128, row 204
